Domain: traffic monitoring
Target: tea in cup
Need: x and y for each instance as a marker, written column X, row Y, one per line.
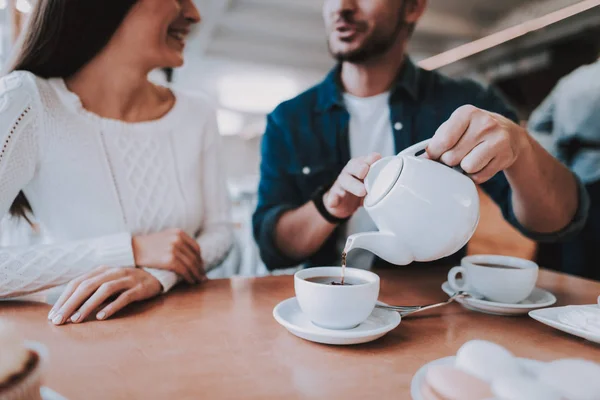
column 328, row 303
column 498, row 278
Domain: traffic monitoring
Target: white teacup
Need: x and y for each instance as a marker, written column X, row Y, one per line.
column 498, row 278
column 336, row 307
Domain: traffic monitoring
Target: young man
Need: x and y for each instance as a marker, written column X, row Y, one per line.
column 319, row 146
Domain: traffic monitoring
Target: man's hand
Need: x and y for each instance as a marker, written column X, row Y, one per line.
column 348, row 192
column 481, row 142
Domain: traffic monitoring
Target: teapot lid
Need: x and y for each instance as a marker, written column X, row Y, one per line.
column 384, row 181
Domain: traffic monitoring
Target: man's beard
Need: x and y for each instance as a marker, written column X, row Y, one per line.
column 372, row 48
column 375, row 45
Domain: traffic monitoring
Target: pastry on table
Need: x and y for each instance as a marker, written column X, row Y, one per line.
column 445, row 382
column 20, row 367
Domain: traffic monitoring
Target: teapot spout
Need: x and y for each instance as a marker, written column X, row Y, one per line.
column 384, row 245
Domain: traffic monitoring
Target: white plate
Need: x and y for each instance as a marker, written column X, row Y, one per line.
column 290, row 316
column 549, row 316
column 530, row 367
column 539, row 298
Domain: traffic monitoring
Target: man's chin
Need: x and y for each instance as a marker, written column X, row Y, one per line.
column 354, row 56
column 346, row 52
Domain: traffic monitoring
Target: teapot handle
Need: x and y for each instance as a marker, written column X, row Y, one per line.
column 416, row 148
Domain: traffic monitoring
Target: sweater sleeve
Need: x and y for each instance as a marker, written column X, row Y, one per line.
column 167, row 279
column 27, row 269
column 216, row 236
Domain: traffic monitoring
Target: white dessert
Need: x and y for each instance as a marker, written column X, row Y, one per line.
column 13, row 353
column 486, row 360
column 575, row 379
column 520, row 387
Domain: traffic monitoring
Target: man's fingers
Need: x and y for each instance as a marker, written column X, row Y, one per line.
column 357, row 168
column 469, row 140
column 372, row 158
column 352, row 185
column 450, row 132
column 487, row 173
column 333, row 198
column 478, row 158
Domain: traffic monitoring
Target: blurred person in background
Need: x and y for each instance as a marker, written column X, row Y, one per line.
column 567, row 123
column 319, row 146
column 122, row 175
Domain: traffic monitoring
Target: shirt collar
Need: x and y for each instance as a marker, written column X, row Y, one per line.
column 331, row 92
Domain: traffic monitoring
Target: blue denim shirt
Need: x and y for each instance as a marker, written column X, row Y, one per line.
column 567, row 123
column 306, row 146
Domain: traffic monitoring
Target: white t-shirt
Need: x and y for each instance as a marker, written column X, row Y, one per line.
column 370, row 131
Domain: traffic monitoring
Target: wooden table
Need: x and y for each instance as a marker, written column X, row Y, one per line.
column 221, row 342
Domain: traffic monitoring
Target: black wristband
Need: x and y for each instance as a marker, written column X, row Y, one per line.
column 317, row 198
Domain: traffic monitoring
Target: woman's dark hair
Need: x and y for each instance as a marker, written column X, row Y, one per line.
column 61, row 37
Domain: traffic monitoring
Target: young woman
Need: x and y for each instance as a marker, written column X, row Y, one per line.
column 119, row 172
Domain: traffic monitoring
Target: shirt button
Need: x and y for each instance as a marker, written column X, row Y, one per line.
column 306, row 170
column 398, row 126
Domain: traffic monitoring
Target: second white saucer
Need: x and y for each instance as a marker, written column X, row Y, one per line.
column 290, row 316
column 539, row 298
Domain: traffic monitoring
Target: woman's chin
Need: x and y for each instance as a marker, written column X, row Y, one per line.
column 173, row 59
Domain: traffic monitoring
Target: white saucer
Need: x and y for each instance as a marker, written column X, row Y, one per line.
column 550, row 317
column 530, row 367
column 539, row 298
column 380, row 322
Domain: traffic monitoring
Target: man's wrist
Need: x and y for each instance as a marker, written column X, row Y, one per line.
column 319, row 199
column 525, row 153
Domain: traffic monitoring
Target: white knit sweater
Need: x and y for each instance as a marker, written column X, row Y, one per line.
column 94, row 182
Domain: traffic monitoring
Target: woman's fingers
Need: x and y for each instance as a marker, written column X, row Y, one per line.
column 104, row 292
column 183, row 269
column 137, row 293
column 83, row 291
column 70, row 289
column 188, row 259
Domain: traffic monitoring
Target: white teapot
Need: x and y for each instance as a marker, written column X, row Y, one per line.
column 424, row 210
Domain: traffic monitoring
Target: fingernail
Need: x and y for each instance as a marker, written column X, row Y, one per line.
column 75, row 317
column 101, row 315
column 57, row 320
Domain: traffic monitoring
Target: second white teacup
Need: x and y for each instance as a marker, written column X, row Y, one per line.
column 336, row 307
column 498, row 278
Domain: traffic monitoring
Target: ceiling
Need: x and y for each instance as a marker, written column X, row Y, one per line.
column 291, row 33
column 276, row 48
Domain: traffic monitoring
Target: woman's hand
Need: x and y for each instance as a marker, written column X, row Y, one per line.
column 172, row 250
column 89, row 292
